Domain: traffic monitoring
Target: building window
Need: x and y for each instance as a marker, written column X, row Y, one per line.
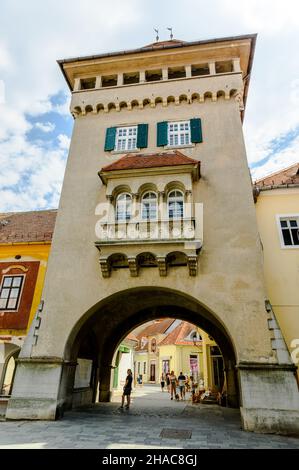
column 179, row 133
column 138, row 368
column 176, row 205
column 122, row 139
column 109, row 80
column 144, row 368
column 87, row 83
column 166, row 366
column 10, row 292
column 123, row 207
column 149, row 206
column 290, row 231
column 126, row 138
column 153, row 345
column 153, row 75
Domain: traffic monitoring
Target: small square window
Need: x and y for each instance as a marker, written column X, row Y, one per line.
column 179, row 133
column 126, row 138
column 10, row 292
column 289, row 227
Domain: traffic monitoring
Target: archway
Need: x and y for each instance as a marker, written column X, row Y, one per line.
column 8, row 370
column 110, row 321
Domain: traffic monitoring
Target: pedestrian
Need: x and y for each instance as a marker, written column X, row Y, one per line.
column 168, row 382
column 173, row 382
column 162, row 381
column 127, row 390
column 182, row 382
column 193, row 387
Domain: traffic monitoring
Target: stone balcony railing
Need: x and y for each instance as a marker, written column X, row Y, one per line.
column 140, row 231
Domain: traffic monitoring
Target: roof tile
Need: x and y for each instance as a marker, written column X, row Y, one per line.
column 35, row 226
column 287, row 176
column 153, row 160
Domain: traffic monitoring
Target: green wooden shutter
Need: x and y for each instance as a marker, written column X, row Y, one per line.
column 110, row 139
column 196, row 131
column 162, row 133
column 142, row 133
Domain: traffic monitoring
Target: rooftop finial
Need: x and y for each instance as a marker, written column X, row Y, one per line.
column 171, row 35
column 157, row 37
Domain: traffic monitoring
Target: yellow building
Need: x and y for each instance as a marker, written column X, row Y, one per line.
column 25, row 241
column 175, row 345
column 277, row 209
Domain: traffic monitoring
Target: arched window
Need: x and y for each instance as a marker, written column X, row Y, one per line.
column 123, row 207
column 149, row 206
column 176, row 204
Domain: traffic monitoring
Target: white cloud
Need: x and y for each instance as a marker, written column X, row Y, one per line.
column 2, row 92
column 265, row 16
column 64, row 141
column 45, row 126
column 282, row 159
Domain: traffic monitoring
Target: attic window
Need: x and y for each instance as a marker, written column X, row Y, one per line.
column 224, row 66
column 87, row 83
column 130, row 78
column 200, row 69
column 153, row 75
column 176, row 72
column 109, row 80
column 195, row 336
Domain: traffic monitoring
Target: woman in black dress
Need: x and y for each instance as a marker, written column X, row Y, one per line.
column 127, row 390
column 162, row 382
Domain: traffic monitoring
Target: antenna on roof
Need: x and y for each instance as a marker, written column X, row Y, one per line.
column 171, row 35
column 157, row 37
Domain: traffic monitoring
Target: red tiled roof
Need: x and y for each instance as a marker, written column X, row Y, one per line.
column 132, row 337
column 153, row 160
column 178, row 335
column 156, row 328
column 287, row 176
column 35, row 226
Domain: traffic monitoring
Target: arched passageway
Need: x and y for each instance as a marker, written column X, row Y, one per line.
column 95, row 338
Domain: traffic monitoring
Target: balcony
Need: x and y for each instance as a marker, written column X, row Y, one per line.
column 137, row 244
column 160, row 231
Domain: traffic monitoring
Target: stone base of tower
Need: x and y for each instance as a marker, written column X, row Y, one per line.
column 40, row 389
column 269, row 398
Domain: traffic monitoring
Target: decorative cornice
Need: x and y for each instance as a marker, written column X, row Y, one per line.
column 15, row 266
column 195, row 97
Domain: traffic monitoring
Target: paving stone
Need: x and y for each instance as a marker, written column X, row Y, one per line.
column 100, row 427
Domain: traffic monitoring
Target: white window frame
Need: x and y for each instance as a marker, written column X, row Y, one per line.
column 180, row 133
column 128, row 142
column 151, row 202
column 183, row 198
column 279, row 217
column 126, row 205
column 16, row 308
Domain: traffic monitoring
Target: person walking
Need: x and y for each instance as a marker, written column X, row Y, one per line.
column 127, row 390
column 182, row 382
column 168, row 382
column 162, row 381
column 173, row 382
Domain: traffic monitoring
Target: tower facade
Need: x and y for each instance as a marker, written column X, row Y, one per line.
column 156, row 219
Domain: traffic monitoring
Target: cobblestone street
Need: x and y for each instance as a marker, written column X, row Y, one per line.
column 104, row 426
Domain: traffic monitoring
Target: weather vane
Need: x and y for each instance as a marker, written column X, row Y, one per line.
column 157, row 37
column 171, row 35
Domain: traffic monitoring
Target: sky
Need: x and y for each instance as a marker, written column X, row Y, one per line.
column 35, row 123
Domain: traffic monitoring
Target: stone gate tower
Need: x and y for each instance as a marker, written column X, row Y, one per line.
column 156, row 219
